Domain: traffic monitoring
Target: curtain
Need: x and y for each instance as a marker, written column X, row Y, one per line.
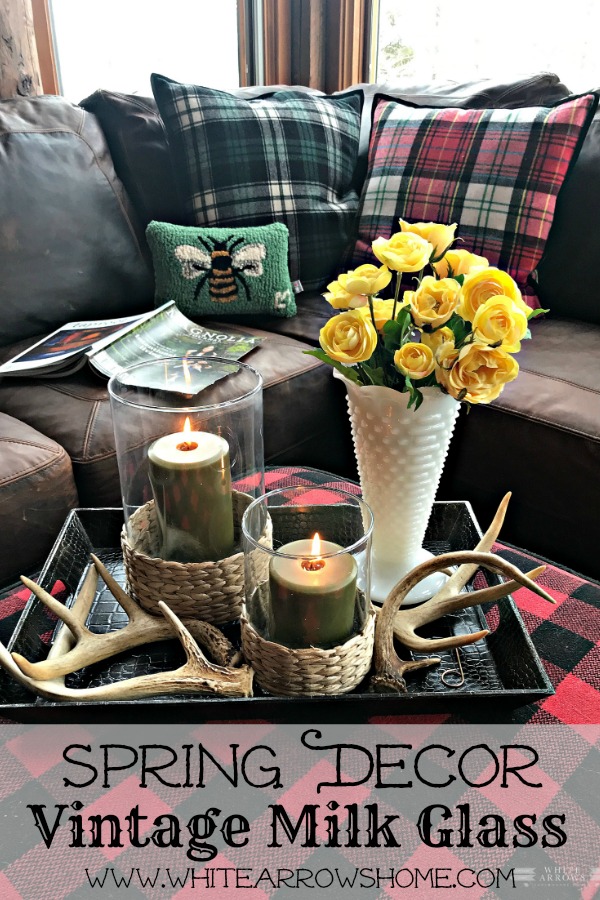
column 323, row 44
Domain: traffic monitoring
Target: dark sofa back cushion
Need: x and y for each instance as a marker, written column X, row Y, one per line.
column 566, row 276
column 68, row 247
column 139, row 147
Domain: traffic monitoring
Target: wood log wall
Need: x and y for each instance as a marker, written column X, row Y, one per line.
column 19, row 67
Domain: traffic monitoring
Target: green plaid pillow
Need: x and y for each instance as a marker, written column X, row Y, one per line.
column 289, row 157
column 222, row 271
column 496, row 172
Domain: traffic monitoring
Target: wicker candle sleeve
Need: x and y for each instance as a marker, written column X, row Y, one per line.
column 312, row 594
column 191, row 483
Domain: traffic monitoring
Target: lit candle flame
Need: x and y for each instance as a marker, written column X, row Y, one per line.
column 313, row 565
column 185, row 445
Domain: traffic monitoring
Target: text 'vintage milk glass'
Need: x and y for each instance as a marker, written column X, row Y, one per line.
column 188, row 435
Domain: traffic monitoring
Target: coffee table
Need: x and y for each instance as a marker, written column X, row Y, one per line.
column 566, row 636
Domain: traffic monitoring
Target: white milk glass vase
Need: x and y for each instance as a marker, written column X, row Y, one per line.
column 400, row 454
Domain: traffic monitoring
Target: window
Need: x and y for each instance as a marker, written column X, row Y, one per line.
column 465, row 40
column 117, row 44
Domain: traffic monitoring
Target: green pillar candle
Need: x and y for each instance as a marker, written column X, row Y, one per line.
column 312, row 600
column 191, row 482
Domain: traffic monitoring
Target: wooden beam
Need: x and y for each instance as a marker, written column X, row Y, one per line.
column 42, row 25
column 19, row 66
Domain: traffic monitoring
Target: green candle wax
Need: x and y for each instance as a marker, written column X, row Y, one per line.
column 312, row 606
column 191, row 483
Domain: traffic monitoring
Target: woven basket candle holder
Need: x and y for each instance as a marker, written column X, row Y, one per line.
column 290, row 672
column 307, row 624
column 212, row 591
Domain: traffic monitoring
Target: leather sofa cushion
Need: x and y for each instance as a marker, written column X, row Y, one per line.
column 540, row 439
column 566, row 276
column 36, row 492
column 304, row 416
column 68, row 247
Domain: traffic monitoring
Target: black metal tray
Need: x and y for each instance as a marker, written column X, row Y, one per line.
column 501, row 672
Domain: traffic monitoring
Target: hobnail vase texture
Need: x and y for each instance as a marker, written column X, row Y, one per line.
column 400, row 454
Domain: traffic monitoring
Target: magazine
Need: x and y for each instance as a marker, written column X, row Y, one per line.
column 112, row 345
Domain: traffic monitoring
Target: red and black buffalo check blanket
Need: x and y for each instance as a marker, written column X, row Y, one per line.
column 566, row 636
column 566, row 735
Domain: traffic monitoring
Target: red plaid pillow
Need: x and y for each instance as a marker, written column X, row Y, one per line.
column 496, row 172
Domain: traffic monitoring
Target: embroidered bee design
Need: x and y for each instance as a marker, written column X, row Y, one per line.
column 226, row 265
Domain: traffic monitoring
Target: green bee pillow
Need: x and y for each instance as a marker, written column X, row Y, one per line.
column 222, row 271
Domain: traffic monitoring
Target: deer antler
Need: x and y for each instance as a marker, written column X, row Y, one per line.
column 79, row 647
column 406, row 623
column 196, row 676
column 389, row 668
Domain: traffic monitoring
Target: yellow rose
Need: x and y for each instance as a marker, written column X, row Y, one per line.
column 349, row 337
column 436, row 338
column 462, row 262
column 479, row 374
column 500, row 321
column 439, row 236
column 368, row 279
column 414, row 360
column 351, row 289
column 480, row 286
column 434, row 301
column 403, row 252
column 382, row 312
column 340, row 298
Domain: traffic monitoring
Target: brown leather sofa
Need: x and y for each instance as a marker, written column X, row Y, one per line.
column 78, row 184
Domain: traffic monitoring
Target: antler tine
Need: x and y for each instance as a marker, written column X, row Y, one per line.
column 129, row 605
column 192, row 651
column 197, row 664
column 80, row 609
column 55, row 606
column 408, row 620
column 464, row 573
column 142, row 628
column 464, row 600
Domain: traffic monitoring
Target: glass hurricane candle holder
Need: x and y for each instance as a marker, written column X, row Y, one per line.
column 312, row 587
column 188, row 435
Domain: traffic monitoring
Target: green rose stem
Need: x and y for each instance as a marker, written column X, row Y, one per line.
column 311, row 599
column 396, row 294
column 191, row 483
column 377, row 355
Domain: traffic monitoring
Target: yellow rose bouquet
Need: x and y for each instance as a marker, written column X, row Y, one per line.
column 458, row 329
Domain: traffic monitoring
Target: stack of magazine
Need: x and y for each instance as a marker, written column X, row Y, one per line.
column 112, row 345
